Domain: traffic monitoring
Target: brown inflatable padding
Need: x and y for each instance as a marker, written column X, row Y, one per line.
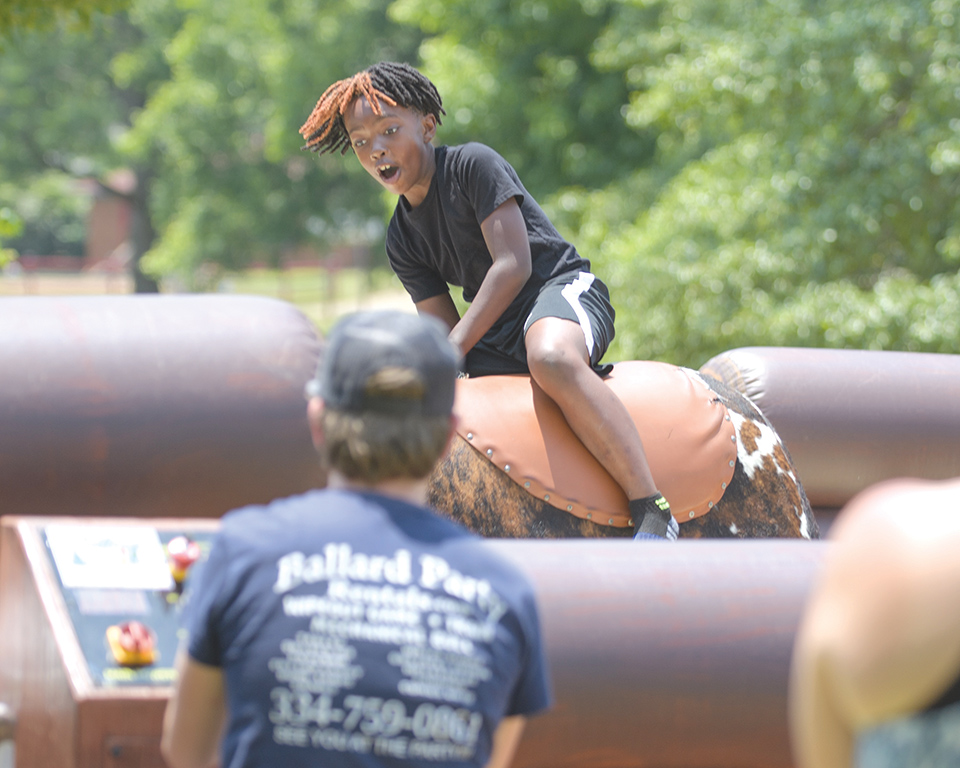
column 852, row 418
column 160, row 406
column 676, row 657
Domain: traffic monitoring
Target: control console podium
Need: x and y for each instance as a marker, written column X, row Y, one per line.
column 63, row 583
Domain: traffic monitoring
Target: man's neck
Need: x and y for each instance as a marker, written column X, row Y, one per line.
column 411, row 491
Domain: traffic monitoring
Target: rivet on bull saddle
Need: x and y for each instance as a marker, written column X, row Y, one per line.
column 687, row 434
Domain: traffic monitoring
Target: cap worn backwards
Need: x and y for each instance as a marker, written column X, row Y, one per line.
column 367, row 348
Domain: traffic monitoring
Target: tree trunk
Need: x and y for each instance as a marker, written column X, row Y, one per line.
column 142, row 233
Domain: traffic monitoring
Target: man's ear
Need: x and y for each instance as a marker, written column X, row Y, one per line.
column 314, row 412
column 429, row 124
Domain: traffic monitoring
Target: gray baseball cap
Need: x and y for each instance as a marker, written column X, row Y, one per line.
column 364, row 344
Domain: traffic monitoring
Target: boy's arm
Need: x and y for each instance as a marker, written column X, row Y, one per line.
column 442, row 307
column 505, row 234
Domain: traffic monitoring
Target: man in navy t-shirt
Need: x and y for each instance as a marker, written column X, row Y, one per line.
column 352, row 626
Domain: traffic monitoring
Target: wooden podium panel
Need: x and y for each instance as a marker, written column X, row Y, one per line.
column 74, row 707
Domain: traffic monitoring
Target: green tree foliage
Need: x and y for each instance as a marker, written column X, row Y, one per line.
column 202, row 101
column 51, row 215
column 26, row 14
column 67, row 96
column 519, row 76
column 232, row 185
column 806, row 188
column 10, row 226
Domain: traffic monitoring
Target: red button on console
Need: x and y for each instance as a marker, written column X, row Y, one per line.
column 182, row 553
column 132, row 643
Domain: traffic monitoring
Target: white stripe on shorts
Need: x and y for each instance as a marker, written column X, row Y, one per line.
column 572, row 292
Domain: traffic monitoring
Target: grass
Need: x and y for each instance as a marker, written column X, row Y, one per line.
column 322, row 295
column 63, row 284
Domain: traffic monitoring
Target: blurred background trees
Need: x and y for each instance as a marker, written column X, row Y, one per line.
column 740, row 172
column 813, row 152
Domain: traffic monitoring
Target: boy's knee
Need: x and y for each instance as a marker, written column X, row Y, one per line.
column 552, row 363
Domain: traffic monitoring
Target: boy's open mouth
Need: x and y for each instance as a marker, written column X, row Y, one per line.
column 387, row 172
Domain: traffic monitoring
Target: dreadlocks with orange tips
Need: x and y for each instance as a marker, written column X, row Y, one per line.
column 397, row 84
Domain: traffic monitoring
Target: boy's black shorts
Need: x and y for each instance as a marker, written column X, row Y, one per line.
column 576, row 296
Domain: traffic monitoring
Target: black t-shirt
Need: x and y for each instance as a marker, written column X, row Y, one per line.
column 440, row 242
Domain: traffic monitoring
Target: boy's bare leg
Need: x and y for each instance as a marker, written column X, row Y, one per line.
column 557, row 357
column 559, row 363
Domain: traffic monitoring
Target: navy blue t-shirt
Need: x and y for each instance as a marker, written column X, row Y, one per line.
column 440, row 241
column 358, row 630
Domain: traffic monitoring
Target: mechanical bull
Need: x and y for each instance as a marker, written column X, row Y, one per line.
column 516, row 470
